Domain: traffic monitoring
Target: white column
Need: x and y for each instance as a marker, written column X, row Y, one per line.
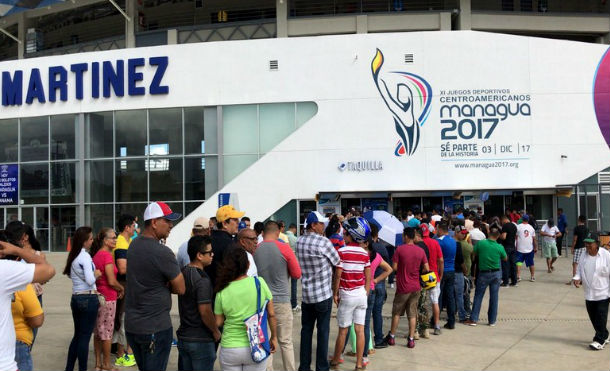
column 281, row 16
column 131, row 8
column 464, row 18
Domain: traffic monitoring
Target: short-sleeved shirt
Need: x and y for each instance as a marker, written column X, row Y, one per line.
column 550, row 230
column 151, row 266
column 409, row 259
column 182, row 256
column 435, row 253
column 120, row 252
column 381, row 249
column 15, row 277
column 337, row 241
column 237, row 302
column 580, row 232
column 562, row 223
column 413, row 223
column 26, row 305
column 489, row 253
column 467, row 251
column 353, row 261
column 525, row 238
column 317, row 257
column 101, row 259
column 510, row 229
column 449, row 249
column 374, row 266
column 198, row 291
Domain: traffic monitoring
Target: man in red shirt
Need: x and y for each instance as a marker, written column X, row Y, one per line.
column 408, row 261
column 436, row 263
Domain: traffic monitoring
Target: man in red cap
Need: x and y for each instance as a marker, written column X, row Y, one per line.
column 153, row 276
column 436, row 263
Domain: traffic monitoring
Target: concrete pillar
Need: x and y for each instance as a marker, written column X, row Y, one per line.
column 362, row 25
column 445, row 21
column 604, row 39
column 22, row 30
column 281, row 18
column 172, row 37
column 131, row 27
column 464, row 18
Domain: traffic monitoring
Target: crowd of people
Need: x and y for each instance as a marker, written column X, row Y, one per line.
column 228, row 272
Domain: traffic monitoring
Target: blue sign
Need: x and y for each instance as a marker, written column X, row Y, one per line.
column 9, row 184
column 223, row 199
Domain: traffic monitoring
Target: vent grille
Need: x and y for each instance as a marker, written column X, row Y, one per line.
column 274, row 65
column 409, row 58
column 603, row 177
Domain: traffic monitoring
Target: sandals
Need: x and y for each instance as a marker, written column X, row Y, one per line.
column 334, row 365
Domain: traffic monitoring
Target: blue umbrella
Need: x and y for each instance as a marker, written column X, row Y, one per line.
column 8, row 7
column 390, row 228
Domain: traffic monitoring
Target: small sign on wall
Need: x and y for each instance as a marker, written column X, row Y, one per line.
column 9, row 184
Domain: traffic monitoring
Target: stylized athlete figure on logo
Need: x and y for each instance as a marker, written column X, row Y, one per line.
column 408, row 98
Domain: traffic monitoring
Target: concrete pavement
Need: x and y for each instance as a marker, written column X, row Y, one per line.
column 542, row 325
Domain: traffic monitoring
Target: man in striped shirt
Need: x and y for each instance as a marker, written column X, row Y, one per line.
column 351, row 286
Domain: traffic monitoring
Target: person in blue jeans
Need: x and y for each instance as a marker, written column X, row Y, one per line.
column 490, row 253
column 84, row 302
column 447, row 298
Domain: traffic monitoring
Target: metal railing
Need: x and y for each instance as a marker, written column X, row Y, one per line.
column 305, row 8
column 543, row 6
column 109, row 43
column 262, row 29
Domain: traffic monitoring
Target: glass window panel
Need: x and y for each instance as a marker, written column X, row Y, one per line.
column 34, row 183
column 63, row 225
column 211, row 176
column 240, row 129
column 131, row 180
column 165, row 179
column 210, row 119
column 8, row 140
column 189, row 207
column 99, row 216
column 165, row 131
column 136, row 210
column 11, row 214
column 305, row 111
column 235, row 164
column 2, row 224
column 194, row 135
column 200, row 177
column 99, row 176
column 63, row 182
column 98, row 134
column 63, row 132
column 42, row 235
column 27, row 215
column 130, row 133
column 42, row 218
column 35, row 138
column 276, row 123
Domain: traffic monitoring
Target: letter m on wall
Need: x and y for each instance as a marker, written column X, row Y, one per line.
column 12, row 89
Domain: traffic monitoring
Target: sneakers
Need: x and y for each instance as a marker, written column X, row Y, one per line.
column 365, row 361
column 437, row 331
column 297, row 308
column 411, row 343
column 533, row 279
column 504, row 285
column 174, row 342
column 513, row 285
column 381, row 345
column 389, row 340
column 596, row 346
column 127, row 360
column 470, row 322
column 448, row 326
column 492, row 324
column 607, row 341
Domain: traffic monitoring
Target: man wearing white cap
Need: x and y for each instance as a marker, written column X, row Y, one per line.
column 153, row 276
column 317, row 257
column 201, row 227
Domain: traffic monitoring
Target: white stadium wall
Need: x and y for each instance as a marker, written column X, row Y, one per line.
column 382, row 124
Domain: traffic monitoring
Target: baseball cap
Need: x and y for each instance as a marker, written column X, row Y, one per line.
column 525, row 218
column 160, row 210
column 461, row 229
column 201, row 223
column 592, row 237
column 425, row 231
column 242, row 225
column 228, row 212
column 315, row 217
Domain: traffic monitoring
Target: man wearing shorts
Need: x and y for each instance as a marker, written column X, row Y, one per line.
column 549, row 249
column 436, row 263
column 527, row 247
column 578, row 243
column 408, row 261
column 351, row 286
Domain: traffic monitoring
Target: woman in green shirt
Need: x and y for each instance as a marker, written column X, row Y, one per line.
column 235, row 301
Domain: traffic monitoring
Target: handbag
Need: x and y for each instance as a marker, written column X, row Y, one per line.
column 256, row 328
column 428, row 280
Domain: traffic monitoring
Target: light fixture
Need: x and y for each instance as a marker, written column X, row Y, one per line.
column 564, row 156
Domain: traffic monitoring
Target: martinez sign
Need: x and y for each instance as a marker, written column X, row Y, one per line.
column 110, row 74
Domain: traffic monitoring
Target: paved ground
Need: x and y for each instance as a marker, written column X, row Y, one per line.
column 541, row 326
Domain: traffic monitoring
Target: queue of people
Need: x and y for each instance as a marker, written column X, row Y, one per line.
column 227, row 273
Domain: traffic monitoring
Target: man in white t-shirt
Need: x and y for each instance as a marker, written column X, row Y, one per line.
column 15, row 277
column 527, row 247
column 550, row 233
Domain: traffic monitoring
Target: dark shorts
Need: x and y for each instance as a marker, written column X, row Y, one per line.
column 527, row 258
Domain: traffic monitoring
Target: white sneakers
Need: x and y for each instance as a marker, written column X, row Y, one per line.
column 596, row 346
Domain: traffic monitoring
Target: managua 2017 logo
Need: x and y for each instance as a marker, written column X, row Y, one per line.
column 601, row 95
column 408, row 98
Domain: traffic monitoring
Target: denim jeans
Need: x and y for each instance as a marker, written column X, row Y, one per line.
column 155, row 357
column 317, row 314
column 493, row 280
column 367, row 321
column 23, row 356
column 448, row 296
column 459, row 295
column 84, row 314
column 509, row 268
column 380, row 296
column 196, row 355
column 293, row 292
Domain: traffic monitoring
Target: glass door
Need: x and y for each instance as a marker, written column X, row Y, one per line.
column 63, row 225
column 589, row 206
